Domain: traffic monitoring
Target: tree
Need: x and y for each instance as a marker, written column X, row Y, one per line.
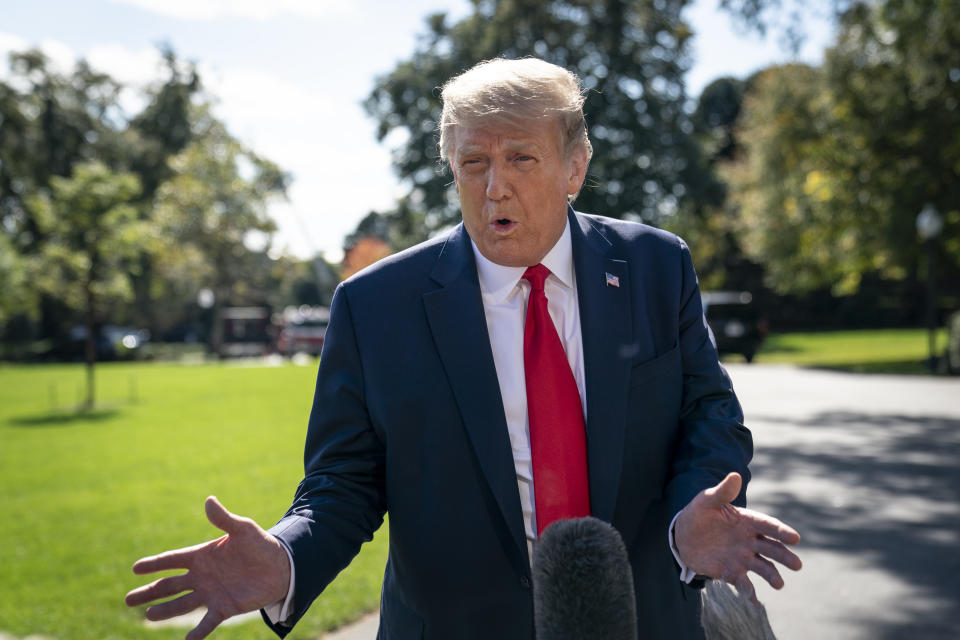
column 52, row 121
column 713, row 234
column 91, row 237
column 162, row 129
column 179, row 153
column 165, row 126
column 207, row 212
column 631, row 56
column 16, row 294
column 840, row 160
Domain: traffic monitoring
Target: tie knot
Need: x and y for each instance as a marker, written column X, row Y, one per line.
column 536, row 275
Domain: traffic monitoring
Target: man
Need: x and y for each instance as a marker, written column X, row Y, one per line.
column 534, row 363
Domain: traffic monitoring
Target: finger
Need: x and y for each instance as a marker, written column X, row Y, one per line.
column 776, row 551
column 175, row 559
column 158, row 589
column 222, row 519
column 210, row 622
column 725, row 492
column 771, row 527
column 745, row 588
column 176, row 607
column 766, row 570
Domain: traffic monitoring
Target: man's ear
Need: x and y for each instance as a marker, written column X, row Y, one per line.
column 576, row 170
column 456, row 180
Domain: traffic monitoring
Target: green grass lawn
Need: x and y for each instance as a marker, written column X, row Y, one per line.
column 863, row 351
column 81, row 498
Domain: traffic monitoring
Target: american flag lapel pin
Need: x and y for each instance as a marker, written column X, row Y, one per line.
column 612, row 280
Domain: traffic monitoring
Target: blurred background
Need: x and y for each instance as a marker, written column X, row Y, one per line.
column 183, row 183
column 193, row 173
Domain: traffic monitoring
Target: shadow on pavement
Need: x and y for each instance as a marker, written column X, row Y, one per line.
column 896, row 482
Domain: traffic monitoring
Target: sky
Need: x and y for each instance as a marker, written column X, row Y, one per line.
column 289, row 77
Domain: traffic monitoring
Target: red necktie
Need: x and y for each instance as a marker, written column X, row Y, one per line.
column 558, row 441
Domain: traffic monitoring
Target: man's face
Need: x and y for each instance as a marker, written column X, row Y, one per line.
column 513, row 185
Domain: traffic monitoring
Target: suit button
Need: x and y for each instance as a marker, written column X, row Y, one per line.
column 525, row 582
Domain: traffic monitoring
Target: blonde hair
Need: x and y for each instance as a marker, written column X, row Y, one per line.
column 512, row 92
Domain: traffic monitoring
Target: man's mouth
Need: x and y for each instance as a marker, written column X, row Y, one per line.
column 502, row 225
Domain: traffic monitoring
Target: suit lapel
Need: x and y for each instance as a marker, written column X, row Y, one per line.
column 459, row 328
column 605, row 325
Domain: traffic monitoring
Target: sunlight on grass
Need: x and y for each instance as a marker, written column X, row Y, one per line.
column 84, row 495
column 867, row 351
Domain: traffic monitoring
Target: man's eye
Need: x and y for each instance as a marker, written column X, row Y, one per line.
column 524, row 158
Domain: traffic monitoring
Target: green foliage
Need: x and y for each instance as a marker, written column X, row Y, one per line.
column 91, row 236
column 631, row 56
column 166, row 125
column 713, row 232
column 85, row 496
column 201, row 196
column 840, row 160
column 16, row 293
column 216, row 197
column 50, row 122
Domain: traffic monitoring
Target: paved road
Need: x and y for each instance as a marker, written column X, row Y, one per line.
column 867, row 468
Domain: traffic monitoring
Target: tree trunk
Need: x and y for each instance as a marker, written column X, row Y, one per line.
column 90, row 347
column 216, row 331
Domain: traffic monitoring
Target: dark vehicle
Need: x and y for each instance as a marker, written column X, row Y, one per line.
column 246, row 332
column 736, row 322
column 111, row 342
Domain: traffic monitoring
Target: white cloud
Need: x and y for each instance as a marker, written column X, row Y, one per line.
column 205, row 10
column 251, row 97
column 10, row 42
column 62, row 57
column 130, row 66
column 324, row 140
column 134, row 68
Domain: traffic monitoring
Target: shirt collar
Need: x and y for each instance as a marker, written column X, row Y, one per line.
column 498, row 281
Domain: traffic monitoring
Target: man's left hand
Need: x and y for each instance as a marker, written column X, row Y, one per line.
column 716, row 539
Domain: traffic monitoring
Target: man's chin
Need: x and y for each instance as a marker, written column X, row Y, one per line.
column 507, row 256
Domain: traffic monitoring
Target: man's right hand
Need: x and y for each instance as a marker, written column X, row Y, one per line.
column 242, row 571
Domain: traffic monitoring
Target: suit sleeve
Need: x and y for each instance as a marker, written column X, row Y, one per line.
column 340, row 502
column 713, row 440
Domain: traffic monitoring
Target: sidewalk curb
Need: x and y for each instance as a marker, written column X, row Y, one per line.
column 363, row 629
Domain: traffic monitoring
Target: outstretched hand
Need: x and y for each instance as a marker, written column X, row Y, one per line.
column 716, row 539
column 242, row 571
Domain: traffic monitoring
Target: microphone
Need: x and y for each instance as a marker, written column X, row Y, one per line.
column 583, row 583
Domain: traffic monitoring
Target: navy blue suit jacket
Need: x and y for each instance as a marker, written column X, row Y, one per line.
column 407, row 419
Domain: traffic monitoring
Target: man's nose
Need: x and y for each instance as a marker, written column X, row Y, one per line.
column 498, row 186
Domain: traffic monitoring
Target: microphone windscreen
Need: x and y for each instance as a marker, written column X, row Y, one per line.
column 582, row 583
